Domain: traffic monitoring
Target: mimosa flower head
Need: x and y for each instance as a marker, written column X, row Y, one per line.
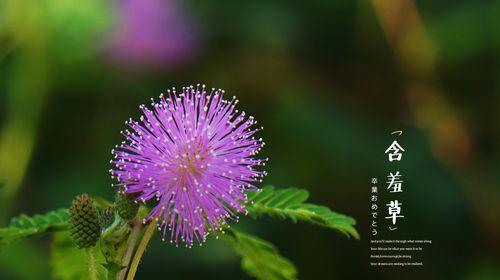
column 195, row 154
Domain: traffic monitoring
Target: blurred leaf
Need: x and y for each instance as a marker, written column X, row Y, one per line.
column 477, row 23
column 260, row 258
column 70, row 263
column 77, row 29
column 25, row 226
column 289, row 203
column 101, row 203
column 11, row 266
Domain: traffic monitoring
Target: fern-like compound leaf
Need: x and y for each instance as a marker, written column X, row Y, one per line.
column 291, row 203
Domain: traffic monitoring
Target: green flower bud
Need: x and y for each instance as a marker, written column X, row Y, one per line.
column 83, row 222
column 125, row 205
column 106, row 217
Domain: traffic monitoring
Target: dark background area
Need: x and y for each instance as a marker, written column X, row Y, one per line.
column 328, row 80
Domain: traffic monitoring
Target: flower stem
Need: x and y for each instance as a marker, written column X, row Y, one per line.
column 91, row 263
column 111, row 274
column 130, row 249
column 140, row 250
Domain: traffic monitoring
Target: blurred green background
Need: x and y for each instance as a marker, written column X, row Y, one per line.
column 329, row 80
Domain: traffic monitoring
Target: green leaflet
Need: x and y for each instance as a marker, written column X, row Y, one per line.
column 260, row 259
column 289, row 203
column 69, row 263
column 25, row 226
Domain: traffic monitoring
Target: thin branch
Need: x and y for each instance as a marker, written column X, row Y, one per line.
column 130, row 250
column 140, row 250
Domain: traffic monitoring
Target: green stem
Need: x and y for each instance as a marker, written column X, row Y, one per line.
column 140, row 250
column 112, row 274
column 130, row 249
column 91, row 263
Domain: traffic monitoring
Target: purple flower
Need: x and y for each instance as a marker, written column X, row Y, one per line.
column 195, row 154
column 152, row 32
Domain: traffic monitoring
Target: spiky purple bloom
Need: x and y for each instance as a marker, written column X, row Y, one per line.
column 195, row 154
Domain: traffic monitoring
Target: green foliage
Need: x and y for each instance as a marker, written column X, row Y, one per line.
column 290, row 203
column 70, row 263
column 261, row 259
column 101, row 203
column 114, row 242
column 29, row 253
column 24, row 226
